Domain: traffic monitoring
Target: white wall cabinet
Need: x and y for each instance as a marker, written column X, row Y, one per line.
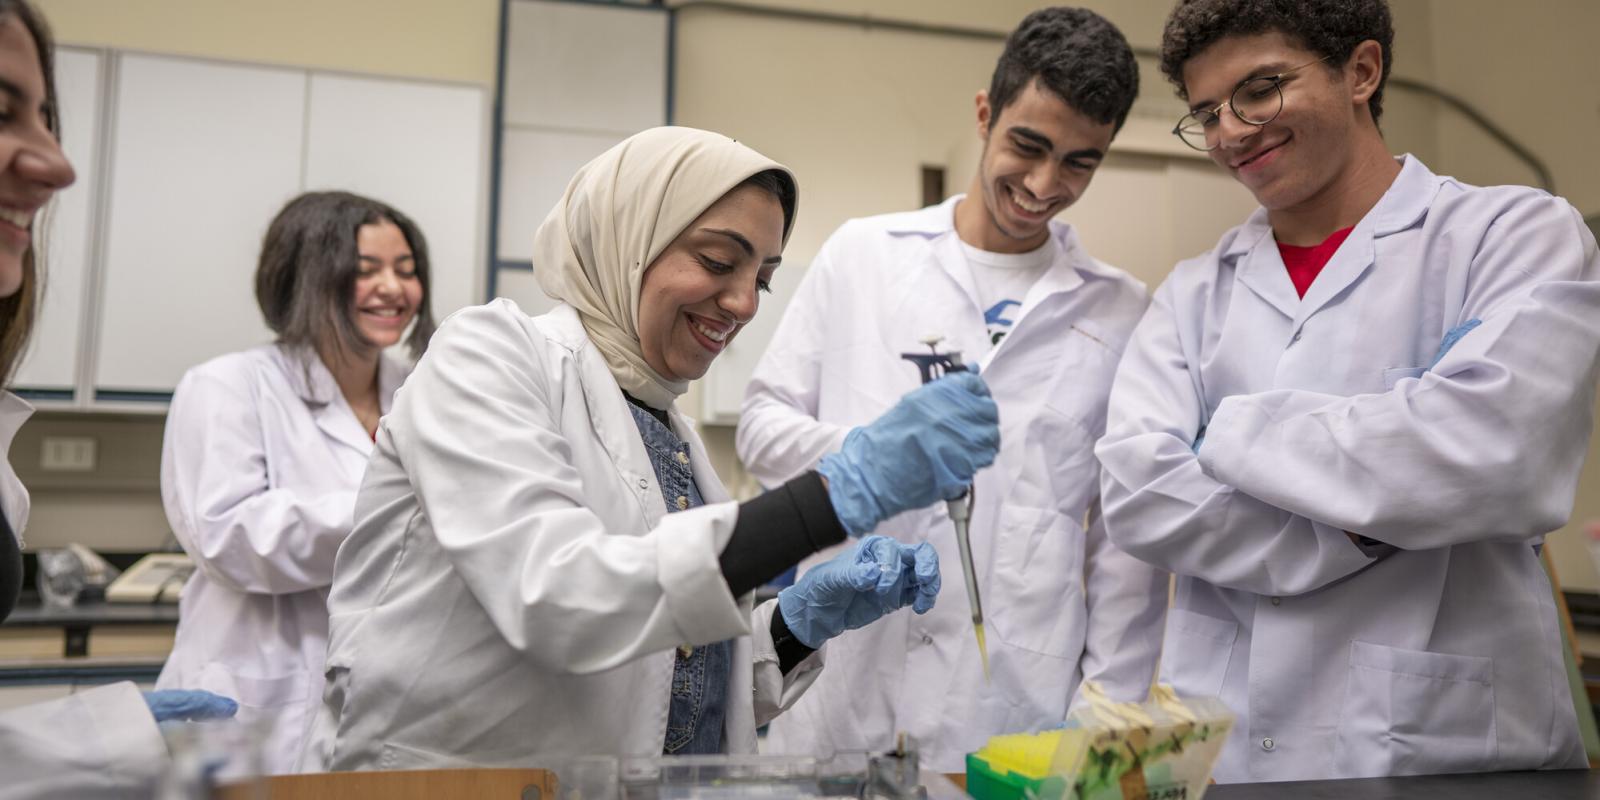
column 151, row 266
column 52, row 361
column 417, row 147
column 203, row 155
column 579, row 78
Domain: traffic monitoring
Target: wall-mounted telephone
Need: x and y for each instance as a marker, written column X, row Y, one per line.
column 156, row 578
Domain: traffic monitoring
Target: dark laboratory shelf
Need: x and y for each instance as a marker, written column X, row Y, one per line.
column 94, row 614
column 80, row 672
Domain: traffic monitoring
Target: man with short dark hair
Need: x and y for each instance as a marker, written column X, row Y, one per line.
column 1349, row 426
column 1016, row 294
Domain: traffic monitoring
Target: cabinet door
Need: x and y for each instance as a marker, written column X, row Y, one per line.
column 65, row 240
column 205, row 154
column 578, row 79
column 418, row 147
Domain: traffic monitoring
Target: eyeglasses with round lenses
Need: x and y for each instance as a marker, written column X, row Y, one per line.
column 1255, row 101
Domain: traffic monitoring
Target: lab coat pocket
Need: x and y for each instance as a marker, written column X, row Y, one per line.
column 258, row 693
column 1196, row 652
column 1035, row 599
column 1407, row 712
column 1394, row 375
column 394, row 755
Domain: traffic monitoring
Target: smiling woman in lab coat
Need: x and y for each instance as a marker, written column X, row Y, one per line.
column 545, row 562
column 100, row 742
column 265, row 449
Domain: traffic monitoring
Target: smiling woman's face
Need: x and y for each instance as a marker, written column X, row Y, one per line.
column 698, row 294
column 32, row 166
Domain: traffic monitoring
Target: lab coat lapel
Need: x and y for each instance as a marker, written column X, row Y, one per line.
column 1060, row 278
column 13, row 495
column 1261, row 268
column 316, row 387
column 1406, row 201
column 1349, row 263
column 612, row 421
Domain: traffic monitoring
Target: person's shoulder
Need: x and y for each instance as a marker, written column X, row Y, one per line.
column 1458, row 203
column 1119, row 292
column 1202, row 269
column 239, row 368
column 498, row 318
column 929, row 221
column 500, row 329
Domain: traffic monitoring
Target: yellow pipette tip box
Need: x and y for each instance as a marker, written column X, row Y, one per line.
column 1024, row 765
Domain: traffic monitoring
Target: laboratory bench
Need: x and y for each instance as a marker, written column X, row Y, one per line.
column 1571, row 784
column 509, row 784
column 36, row 632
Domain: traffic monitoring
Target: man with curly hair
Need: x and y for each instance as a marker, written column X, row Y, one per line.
column 1016, row 293
column 1349, row 426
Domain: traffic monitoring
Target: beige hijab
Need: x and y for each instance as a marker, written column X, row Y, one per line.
column 618, row 213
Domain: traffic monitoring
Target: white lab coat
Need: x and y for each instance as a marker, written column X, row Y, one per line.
column 99, row 743
column 1439, row 652
column 515, row 586
column 1060, row 603
column 259, row 471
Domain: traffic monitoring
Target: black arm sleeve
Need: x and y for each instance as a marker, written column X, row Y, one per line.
column 778, row 529
column 10, row 569
column 791, row 651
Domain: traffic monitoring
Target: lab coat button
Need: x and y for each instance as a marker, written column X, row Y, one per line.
column 1277, row 601
column 683, row 502
column 1267, row 744
column 926, row 639
column 644, row 484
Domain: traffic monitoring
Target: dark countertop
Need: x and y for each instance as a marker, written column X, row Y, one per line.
column 1572, row 784
column 91, row 614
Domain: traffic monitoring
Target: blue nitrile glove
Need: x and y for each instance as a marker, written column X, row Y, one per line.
column 188, row 704
column 1453, row 336
column 922, row 450
column 858, row 586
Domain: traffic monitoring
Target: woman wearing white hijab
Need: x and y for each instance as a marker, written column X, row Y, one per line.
column 544, row 563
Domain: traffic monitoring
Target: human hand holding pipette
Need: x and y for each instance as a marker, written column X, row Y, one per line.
column 923, row 450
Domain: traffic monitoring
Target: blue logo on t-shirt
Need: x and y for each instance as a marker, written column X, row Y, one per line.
column 997, row 320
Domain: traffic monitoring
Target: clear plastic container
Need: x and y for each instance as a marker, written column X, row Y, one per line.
column 206, row 755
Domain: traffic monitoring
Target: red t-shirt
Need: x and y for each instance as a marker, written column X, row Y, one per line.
column 1305, row 263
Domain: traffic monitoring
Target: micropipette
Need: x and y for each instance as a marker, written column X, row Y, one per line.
column 934, row 365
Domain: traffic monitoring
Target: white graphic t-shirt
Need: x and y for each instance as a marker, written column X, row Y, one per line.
column 1003, row 281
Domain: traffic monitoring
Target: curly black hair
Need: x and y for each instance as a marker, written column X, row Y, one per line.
column 1329, row 28
column 1074, row 53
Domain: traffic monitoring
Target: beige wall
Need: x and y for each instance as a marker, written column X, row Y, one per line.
column 1537, row 75
column 453, row 40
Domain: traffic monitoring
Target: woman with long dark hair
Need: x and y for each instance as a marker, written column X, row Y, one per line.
column 102, row 742
column 265, row 449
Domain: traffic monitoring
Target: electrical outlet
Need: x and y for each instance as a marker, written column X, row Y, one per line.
column 68, row 454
